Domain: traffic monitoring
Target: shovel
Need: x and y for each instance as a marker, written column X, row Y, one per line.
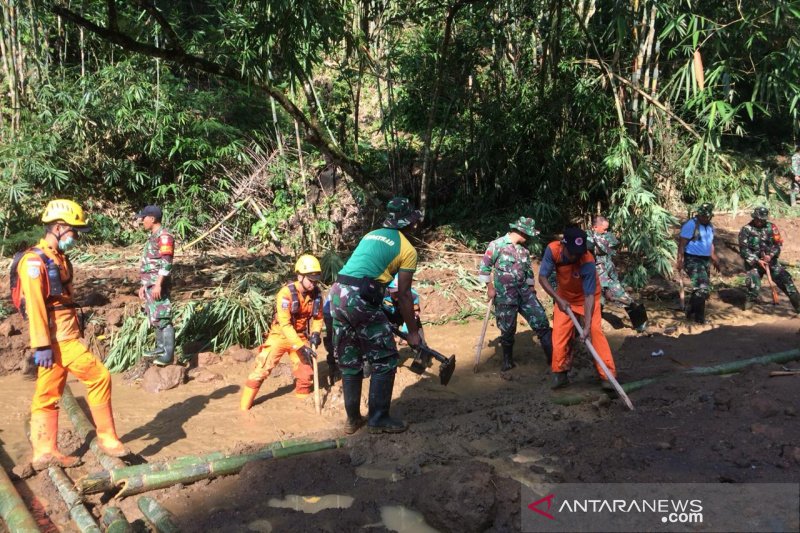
column 424, row 356
column 600, row 362
column 771, row 285
column 479, row 345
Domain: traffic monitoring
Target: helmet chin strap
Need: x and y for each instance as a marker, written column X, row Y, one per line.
column 61, row 234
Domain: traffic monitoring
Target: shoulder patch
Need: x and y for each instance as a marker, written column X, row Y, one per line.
column 285, row 303
column 33, row 271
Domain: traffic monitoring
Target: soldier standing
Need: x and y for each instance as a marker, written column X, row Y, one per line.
column 760, row 244
column 602, row 244
column 155, row 274
column 796, row 175
column 513, row 288
column 46, row 298
column 696, row 253
column 362, row 334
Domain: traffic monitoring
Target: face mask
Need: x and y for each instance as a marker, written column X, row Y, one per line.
column 67, row 243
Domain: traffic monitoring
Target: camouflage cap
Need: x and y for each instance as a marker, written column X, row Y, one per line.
column 401, row 213
column 705, row 209
column 525, row 225
column 761, row 213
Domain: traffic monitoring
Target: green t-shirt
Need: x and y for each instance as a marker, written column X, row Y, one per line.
column 380, row 255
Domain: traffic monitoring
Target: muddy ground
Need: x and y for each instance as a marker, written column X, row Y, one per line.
column 471, row 444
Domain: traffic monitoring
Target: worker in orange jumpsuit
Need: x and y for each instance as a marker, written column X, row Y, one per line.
column 578, row 288
column 46, row 298
column 296, row 327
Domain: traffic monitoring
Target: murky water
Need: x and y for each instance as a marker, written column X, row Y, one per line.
column 312, row 504
column 404, row 520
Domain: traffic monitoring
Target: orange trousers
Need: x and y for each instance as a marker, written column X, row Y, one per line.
column 73, row 357
column 563, row 331
column 268, row 358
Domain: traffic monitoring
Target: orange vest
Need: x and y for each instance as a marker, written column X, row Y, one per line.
column 50, row 318
column 293, row 325
column 568, row 275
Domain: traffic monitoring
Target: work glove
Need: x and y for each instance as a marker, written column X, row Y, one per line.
column 315, row 340
column 43, row 357
column 306, row 352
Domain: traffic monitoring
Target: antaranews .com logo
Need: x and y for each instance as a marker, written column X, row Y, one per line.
column 635, row 507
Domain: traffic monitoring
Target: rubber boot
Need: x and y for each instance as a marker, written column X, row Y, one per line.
column 546, row 340
column 560, row 380
column 158, row 350
column 351, row 389
column 699, row 306
column 249, row 392
column 380, row 400
column 638, row 315
column 168, row 342
column 107, row 438
column 795, row 299
column 508, row 358
column 44, row 435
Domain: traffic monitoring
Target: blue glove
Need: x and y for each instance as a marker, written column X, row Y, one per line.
column 43, row 357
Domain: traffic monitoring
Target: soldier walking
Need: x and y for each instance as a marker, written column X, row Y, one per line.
column 760, row 244
column 602, row 244
column 362, row 334
column 42, row 285
column 512, row 288
column 155, row 272
column 696, row 254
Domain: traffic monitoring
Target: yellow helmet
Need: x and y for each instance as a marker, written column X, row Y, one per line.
column 307, row 264
column 66, row 210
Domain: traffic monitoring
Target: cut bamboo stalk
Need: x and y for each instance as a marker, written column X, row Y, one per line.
column 85, row 428
column 115, row 521
column 161, row 519
column 721, row 369
column 15, row 515
column 109, row 479
column 80, row 515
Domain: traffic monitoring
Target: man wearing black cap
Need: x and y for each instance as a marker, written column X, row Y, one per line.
column 155, row 274
column 578, row 289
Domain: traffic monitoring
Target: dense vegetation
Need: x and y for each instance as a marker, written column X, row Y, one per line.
column 551, row 108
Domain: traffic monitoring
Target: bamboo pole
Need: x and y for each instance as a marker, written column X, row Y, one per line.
column 16, row 516
column 162, row 520
column 721, row 369
column 79, row 514
column 115, row 521
column 215, row 226
column 135, row 480
column 85, row 428
column 108, row 479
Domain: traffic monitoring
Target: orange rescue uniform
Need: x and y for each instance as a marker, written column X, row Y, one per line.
column 53, row 322
column 570, row 287
column 289, row 333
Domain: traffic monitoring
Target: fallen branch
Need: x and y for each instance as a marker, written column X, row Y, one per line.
column 189, row 470
column 15, row 515
column 162, row 520
column 85, row 428
column 80, row 515
column 215, row 227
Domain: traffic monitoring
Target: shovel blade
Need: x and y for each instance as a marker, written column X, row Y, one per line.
column 446, row 370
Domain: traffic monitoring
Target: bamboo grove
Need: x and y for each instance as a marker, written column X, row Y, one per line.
column 553, row 107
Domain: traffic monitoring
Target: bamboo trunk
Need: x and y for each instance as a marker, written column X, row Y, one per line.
column 16, row 516
column 142, row 478
column 79, row 514
column 85, row 428
column 162, row 520
column 721, row 369
column 115, row 521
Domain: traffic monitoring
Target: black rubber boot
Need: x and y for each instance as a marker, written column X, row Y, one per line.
column 380, row 400
column 638, row 315
column 560, row 380
column 168, row 339
column 351, row 388
column 795, row 299
column 158, row 350
column 508, row 358
column 699, row 306
column 546, row 340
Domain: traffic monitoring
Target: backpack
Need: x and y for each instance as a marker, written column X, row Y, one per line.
column 55, row 287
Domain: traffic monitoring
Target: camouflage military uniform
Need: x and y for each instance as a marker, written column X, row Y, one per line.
column 513, row 283
column 795, row 190
column 755, row 243
column 157, row 260
column 602, row 247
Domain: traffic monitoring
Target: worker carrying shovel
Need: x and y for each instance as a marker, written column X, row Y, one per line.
column 295, row 330
column 578, row 289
